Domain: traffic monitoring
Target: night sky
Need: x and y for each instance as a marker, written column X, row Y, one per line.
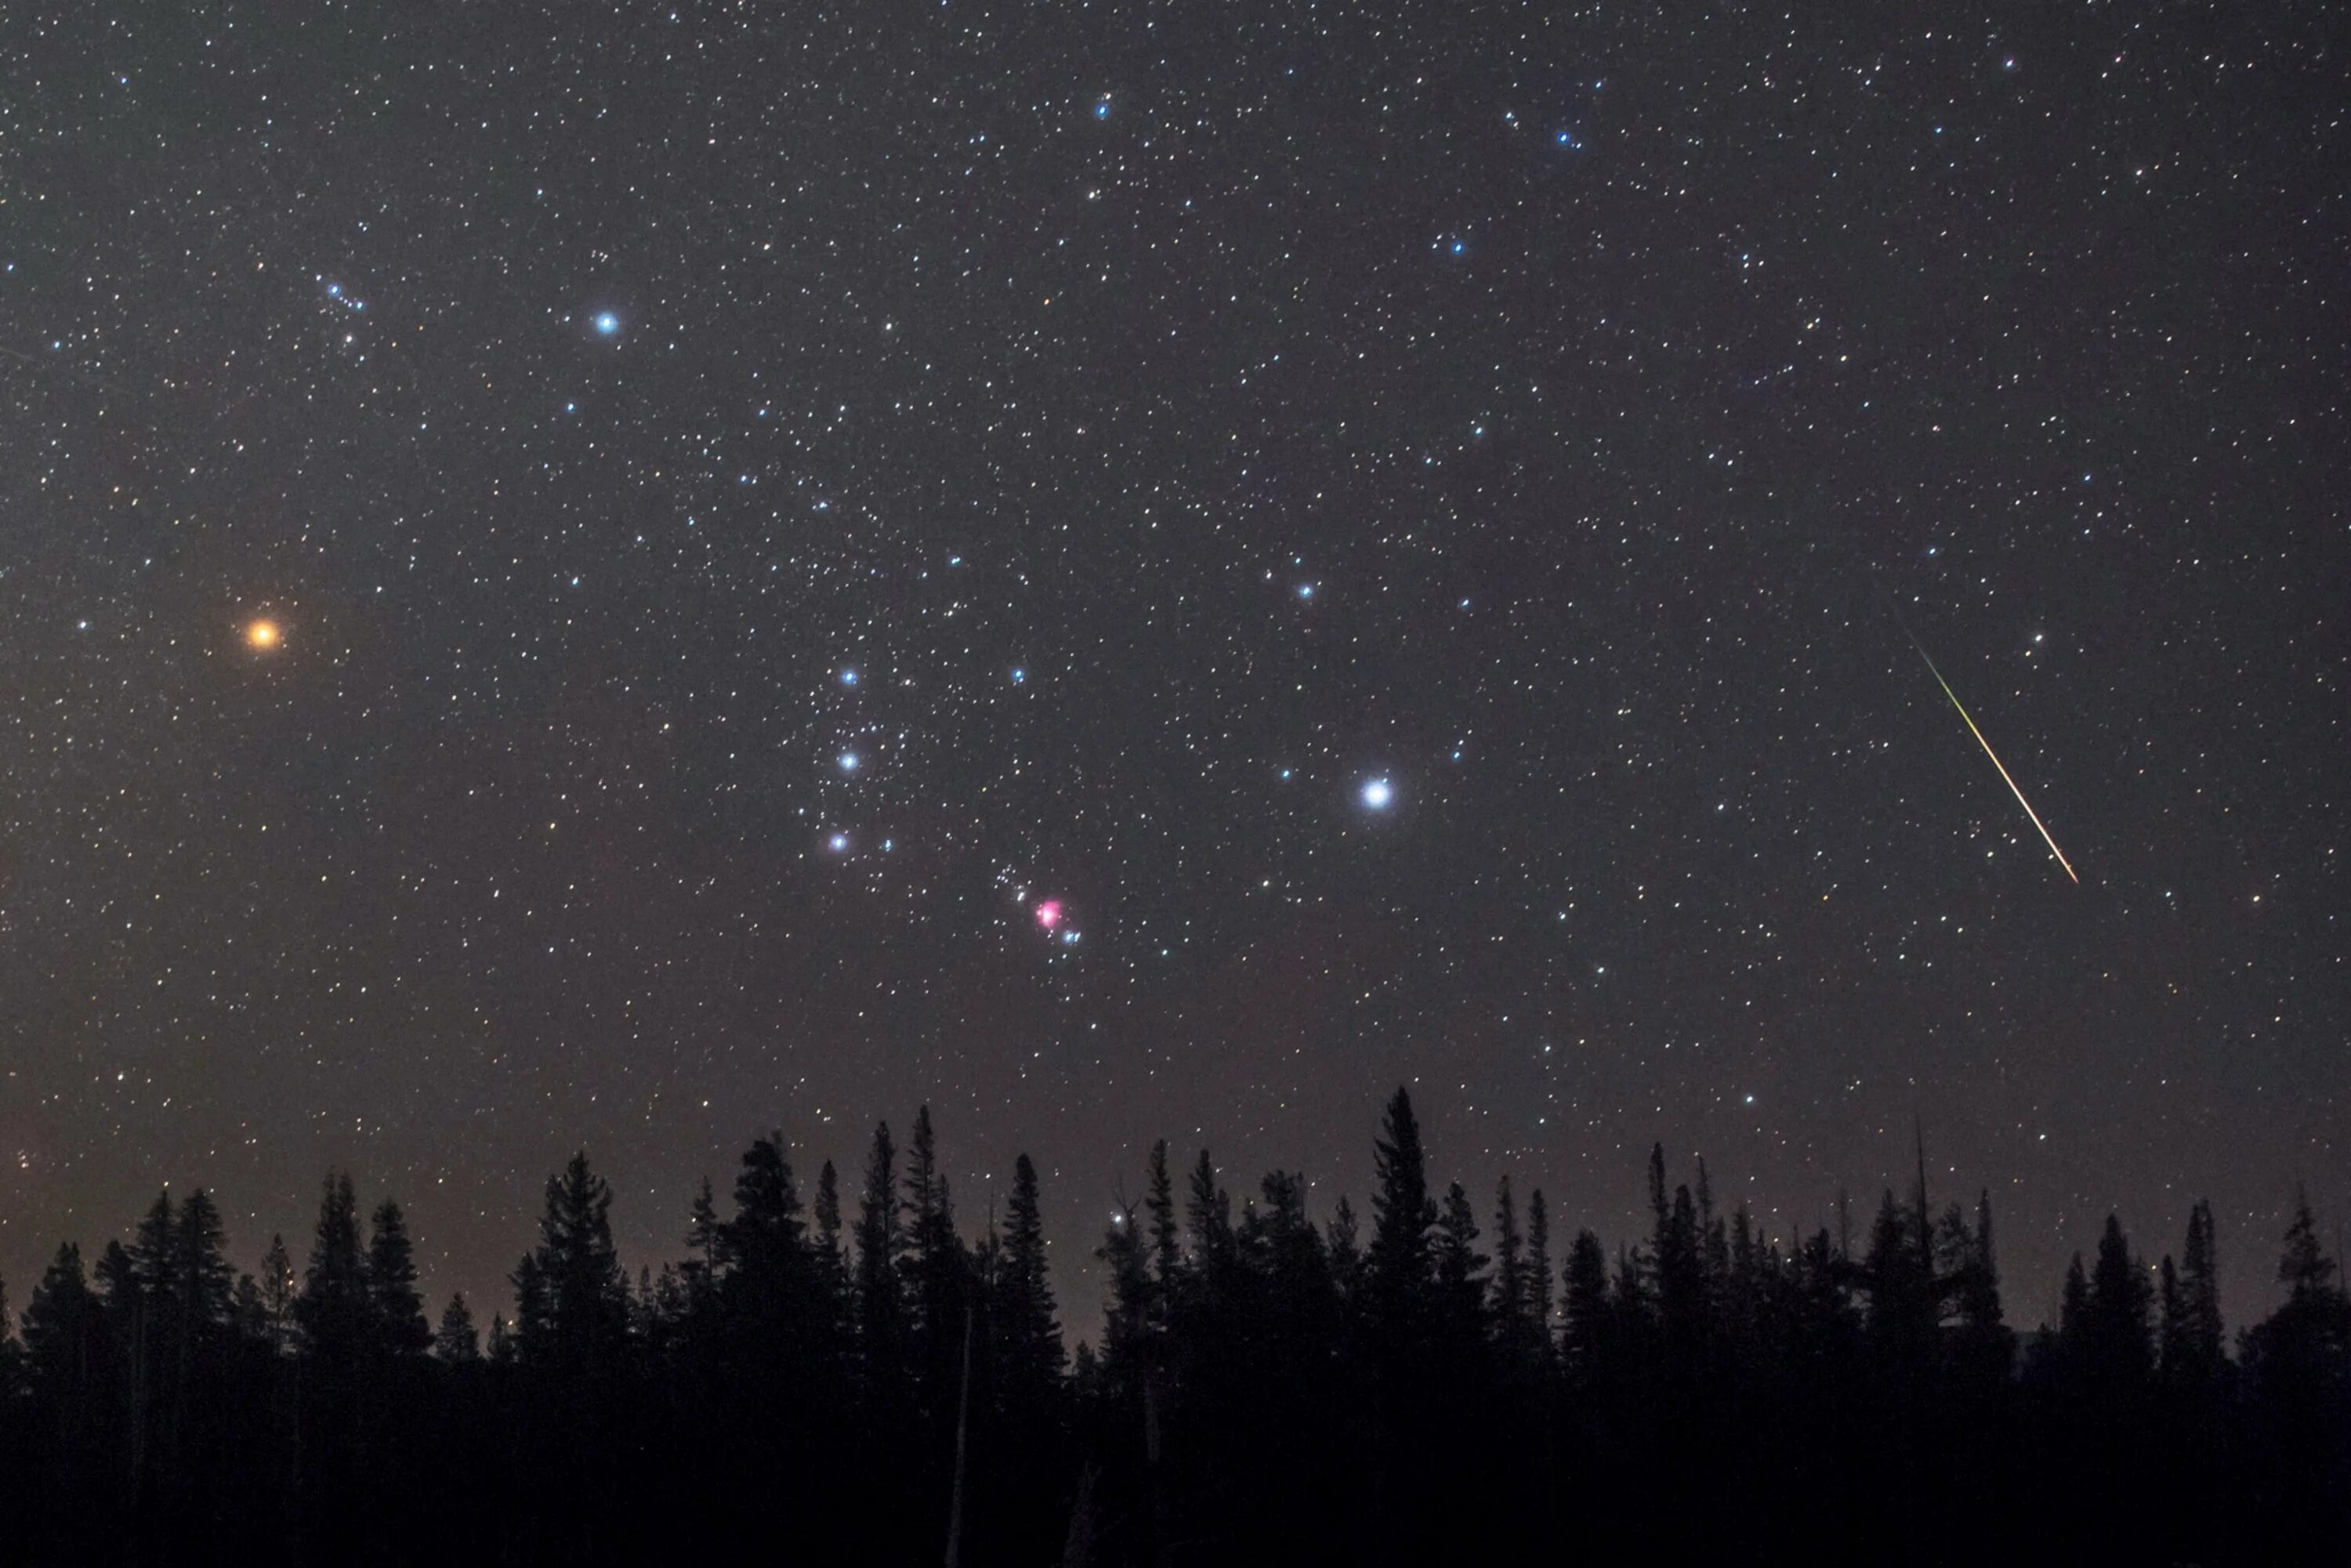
column 1157, row 570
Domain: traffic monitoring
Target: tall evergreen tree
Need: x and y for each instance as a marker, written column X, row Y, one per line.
column 571, row 1297
column 2074, row 1302
column 880, row 1305
column 1208, row 1216
column 762, row 1251
column 1585, row 1304
column 2297, row 1367
column 1402, row 1213
column 455, row 1342
column 1538, row 1283
column 1128, row 1317
column 2113, row 1336
column 702, row 1241
column 1340, row 1238
column 1904, row 1301
column 2304, row 1268
column 395, row 1309
column 62, row 1325
column 278, row 1289
column 832, row 1257
column 1159, row 1203
column 1509, row 1305
column 938, row 1270
column 334, row 1307
column 155, row 1257
column 1023, row 1310
column 2200, row 1291
column 201, row 1262
column 1460, row 1267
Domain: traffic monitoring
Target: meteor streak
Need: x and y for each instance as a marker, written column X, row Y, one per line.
column 1996, row 762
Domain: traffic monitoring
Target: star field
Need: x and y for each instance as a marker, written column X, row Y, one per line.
column 590, row 575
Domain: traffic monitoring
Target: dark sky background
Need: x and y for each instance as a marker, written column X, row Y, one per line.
column 1129, row 432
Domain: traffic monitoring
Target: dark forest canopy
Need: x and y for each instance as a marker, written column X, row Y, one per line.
column 1443, row 1378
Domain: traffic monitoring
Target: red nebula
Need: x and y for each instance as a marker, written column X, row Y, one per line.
column 1049, row 914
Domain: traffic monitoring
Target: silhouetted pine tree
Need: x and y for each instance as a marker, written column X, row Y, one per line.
column 1584, row 1300
column 1905, row 1300
column 201, row 1265
column 1402, row 1213
column 881, row 1302
column 333, row 1308
column 1023, row 1313
column 1538, row 1278
column 2116, row 1348
column 455, row 1342
column 1207, row 1219
column 1166, row 1237
column 1508, row 1304
column 577, row 1318
column 2298, row 1366
column 395, row 1310
column 1347, row 1261
column 1460, row 1269
column 62, row 1325
column 2073, row 1303
column 700, row 1270
column 1127, row 1319
column 66, row 1353
column 2194, row 1348
column 765, row 1273
column 278, row 1289
column 831, row 1255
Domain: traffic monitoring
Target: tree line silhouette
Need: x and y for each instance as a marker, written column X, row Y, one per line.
column 1268, row 1389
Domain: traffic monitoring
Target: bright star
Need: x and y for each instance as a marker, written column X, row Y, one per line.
column 1378, row 793
column 838, row 842
column 849, row 762
column 849, row 677
column 263, row 635
column 608, row 323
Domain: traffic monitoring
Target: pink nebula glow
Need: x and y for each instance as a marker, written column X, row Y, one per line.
column 1049, row 914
